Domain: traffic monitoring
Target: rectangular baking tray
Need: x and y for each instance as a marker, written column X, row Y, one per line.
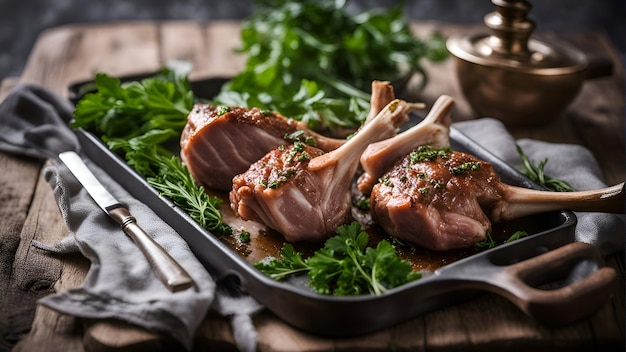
column 296, row 303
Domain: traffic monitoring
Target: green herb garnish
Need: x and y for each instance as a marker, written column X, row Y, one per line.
column 536, row 174
column 489, row 242
column 428, row 153
column 126, row 110
column 314, row 61
column 244, row 237
column 300, row 136
column 297, row 153
column 137, row 119
column 170, row 178
column 516, row 236
column 345, row 265
column 221, row 110
column 485, row 244
column 466, row 167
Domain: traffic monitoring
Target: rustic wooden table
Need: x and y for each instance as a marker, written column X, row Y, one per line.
column 69, row 54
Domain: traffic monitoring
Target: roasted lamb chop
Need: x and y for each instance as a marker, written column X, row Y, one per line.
column 441, row 199
column 219, row 142
column 304, row 193
column 437, row 199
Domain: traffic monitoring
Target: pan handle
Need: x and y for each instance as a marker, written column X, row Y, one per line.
column 556, row 287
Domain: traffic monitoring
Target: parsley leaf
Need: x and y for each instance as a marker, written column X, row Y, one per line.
column 126, row 110
column 345, row 266
column 290, row 264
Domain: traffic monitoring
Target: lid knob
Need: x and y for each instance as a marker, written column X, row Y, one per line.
column 510, row 28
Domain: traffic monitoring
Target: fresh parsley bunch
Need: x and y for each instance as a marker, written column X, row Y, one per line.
column 345, row 265
column 313, row 60
column 126, row 110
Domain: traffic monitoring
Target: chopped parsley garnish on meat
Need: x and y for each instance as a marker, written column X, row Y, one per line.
column 386, row 180
column 428, row 153
column 466, row 167
column 221, row 110
column 282, row 177
column 300, row 136
column 298, row 153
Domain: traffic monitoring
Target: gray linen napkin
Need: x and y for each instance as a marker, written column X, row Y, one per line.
column 120, row 283
column 572, row 163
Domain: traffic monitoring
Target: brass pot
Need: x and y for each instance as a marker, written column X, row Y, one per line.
column 507, row 75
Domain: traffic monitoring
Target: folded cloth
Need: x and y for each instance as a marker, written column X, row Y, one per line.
column 120, row 283
column 572, row 163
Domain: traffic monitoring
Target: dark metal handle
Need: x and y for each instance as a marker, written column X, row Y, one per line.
column 173, row 276
column 576, row 293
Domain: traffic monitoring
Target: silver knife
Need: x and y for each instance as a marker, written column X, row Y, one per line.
column 170, row 272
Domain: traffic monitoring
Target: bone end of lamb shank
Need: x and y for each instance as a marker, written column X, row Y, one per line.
column 304, row 193
column 218, row 143
column 382, row 94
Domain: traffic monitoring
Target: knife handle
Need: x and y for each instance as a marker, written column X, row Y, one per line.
column 173, row 276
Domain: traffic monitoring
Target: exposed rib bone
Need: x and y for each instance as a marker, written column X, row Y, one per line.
column 520, row 202
column 379, row 157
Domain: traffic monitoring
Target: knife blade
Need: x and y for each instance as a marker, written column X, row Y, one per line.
column 167, row 269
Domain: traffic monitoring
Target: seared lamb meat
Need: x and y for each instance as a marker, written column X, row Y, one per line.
column 380, row 156
column 218, row 142
column 304, row 193
column 435, row 199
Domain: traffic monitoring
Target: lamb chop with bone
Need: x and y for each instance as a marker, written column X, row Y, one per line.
column 442, row 199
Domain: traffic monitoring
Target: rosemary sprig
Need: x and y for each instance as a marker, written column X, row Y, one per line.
column 166, row 173
column 536, row 174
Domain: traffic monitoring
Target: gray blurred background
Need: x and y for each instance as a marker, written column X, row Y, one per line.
column 23, row 20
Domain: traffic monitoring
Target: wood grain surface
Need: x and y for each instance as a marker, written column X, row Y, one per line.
column 70, row 54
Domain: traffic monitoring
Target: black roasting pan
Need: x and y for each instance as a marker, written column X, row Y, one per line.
column 545, row 274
